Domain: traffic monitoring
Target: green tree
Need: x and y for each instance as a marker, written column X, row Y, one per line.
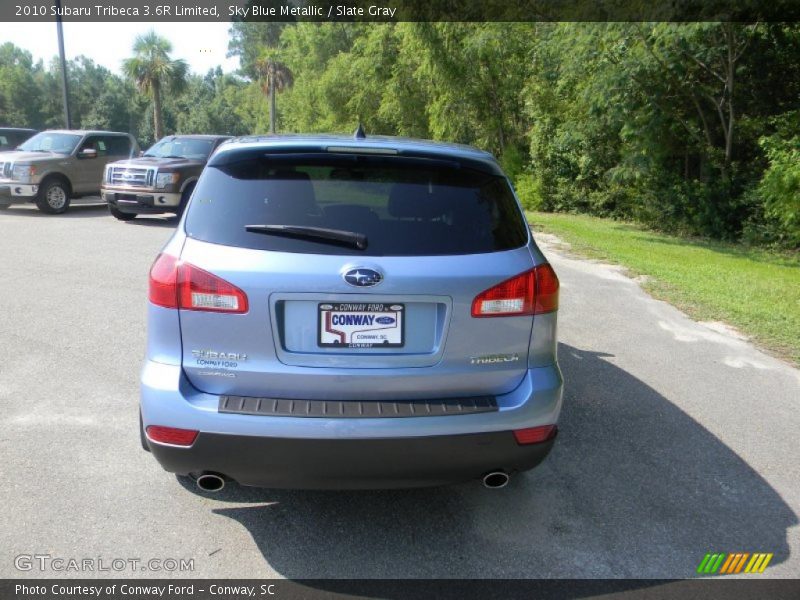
column 274, row 76
column 209, row 105
column 153, row 71
column 19, row 94
column 779, row 187
column 318, row 54
column 247, row 38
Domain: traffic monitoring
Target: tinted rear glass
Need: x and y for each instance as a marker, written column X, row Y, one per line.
column 117, row 145
column 405, row 207
column 12, row 139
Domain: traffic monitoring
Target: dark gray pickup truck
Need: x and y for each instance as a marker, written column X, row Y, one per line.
column 161, row 180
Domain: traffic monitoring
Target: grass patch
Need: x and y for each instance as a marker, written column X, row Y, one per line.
column 756, row 291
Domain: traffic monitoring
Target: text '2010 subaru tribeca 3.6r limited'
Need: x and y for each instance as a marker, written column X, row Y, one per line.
column 350, row 313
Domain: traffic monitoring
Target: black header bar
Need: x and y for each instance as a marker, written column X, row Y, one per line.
column 399, row 10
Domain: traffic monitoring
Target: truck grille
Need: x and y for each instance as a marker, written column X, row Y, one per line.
column 5, row 170
column 131, row 176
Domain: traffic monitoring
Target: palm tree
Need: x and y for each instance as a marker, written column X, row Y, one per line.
column 152, row 69
column 274, row 77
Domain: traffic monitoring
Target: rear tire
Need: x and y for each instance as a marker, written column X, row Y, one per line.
column 53, row 197
column 118, row 214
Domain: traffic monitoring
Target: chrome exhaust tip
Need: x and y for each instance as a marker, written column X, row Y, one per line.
column 210, row 482
column 496, row 480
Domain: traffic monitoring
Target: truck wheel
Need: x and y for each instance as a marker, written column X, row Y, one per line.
column 53, row 197
column 118, row 214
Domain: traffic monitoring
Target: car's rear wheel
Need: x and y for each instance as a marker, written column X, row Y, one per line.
column 118, row 214
column 53, row 197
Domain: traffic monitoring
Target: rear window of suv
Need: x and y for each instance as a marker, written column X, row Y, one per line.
column 404, row 207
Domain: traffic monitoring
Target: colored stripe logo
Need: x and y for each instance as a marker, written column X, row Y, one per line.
column 736, row 562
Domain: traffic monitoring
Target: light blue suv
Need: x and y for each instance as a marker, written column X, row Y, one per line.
column 337, row 312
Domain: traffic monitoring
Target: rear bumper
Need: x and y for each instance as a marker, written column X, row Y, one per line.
column 317, row 452
column 352, row 463
column 141, row 202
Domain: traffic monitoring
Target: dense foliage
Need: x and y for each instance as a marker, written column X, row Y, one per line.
column 30, row 96
column 691, row 128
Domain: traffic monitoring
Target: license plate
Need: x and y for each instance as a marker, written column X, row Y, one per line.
column 361, row 325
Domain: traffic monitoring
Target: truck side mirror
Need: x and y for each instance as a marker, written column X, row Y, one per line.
column 87, row 153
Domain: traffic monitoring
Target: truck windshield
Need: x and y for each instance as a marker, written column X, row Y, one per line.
column 178, row 147
column 60, row 143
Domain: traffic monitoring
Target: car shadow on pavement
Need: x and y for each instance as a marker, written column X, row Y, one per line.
column 154, row 221
column 75, row 211
column 90, row 211
column 634, row 488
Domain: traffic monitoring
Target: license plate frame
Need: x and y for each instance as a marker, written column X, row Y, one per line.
column 387, row 335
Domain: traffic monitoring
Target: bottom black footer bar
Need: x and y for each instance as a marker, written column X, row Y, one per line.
column 529, row 589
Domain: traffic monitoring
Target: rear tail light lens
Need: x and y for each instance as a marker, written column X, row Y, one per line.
column 164, row 281
column 535, row 435
column 514, row 296
column 200, row 290
column 175, row 284
column 171, row 435
column 546, row 290
column 530, row 293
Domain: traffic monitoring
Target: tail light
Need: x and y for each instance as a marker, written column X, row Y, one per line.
column 171, row 435
column 176, row 284
column 530, row 293
column 535, row 435
column 200, row 290
column 164, row 281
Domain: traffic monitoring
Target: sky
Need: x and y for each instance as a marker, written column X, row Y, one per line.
column 202, row 45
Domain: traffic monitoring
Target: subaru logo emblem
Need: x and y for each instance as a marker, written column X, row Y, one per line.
column 363, row 277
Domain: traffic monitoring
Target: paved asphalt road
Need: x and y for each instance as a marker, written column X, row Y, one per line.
column 676, row 440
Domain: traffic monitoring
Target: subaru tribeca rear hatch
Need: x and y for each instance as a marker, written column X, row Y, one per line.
column 340, row 314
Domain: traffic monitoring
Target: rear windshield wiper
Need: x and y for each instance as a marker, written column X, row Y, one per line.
column 334, row 236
